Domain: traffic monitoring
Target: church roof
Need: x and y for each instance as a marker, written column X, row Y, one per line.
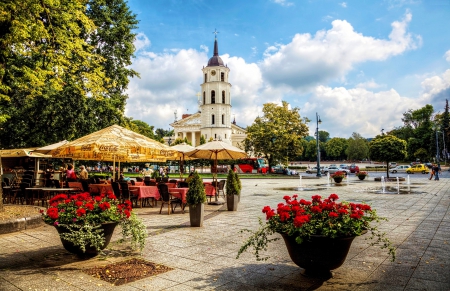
column 193, row 119
column 215, row 60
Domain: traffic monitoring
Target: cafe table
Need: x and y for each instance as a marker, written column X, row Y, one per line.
column 76, row 185
column 100, row 188
column 181, row 194
column 145, row 192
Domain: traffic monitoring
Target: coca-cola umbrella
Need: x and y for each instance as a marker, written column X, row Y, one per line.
column 182, row 149
column 115, row 143
column 217, row 150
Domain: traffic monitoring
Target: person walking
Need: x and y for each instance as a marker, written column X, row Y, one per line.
column 432, row 171
column 437, row 171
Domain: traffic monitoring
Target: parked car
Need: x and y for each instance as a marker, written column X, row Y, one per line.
column 400, row 169
column 343, row 166
column 392, row 165
column 313, row 170
column 420, row 168
column 334, row 169
column 354, row 168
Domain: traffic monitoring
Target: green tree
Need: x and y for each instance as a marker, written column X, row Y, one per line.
column 311, row 150
column 336, row 148
column 202, row 139
column 357, row 148
column 81, row 53
column 387, row 148
column 323, row 136
column 279, row 128
column 143, row 128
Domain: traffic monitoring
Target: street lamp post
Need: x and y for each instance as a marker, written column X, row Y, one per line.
column 169, row 141
column 319, row 174
column 435, row 127
column 445, row 150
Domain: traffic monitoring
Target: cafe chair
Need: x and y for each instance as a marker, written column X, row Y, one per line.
column 220, row 188
column 166, row 198
column 127, row 193
column 133, row 182
column 183, row 185
column 6, row 193
column 20, row 194
column 173, row 181
column 7, row 181
column 116, row 190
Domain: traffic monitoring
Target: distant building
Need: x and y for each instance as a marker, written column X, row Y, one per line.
column 213, row 120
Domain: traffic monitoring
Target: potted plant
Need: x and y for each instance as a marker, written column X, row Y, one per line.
column 85, row 224
column 233, row 190
column 362, row 175
column 338, row 176
column 195, row 198
column 317, row 233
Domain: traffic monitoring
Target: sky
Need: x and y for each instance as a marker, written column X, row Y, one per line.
column 358, row 64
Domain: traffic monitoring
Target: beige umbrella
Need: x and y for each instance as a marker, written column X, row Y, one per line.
column 115, row 143
column 182, row 149
column 217, row 150
column 48, row 148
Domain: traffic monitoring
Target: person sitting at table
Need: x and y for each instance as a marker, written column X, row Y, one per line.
column 84, row 175
column 70, row 174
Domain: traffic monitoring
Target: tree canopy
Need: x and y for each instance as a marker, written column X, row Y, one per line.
column 277, row 134
column 387, row 148
column 336, row 148
column 357, row 148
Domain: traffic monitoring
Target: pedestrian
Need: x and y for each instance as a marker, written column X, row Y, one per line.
column 432, row 172
column 437, row 171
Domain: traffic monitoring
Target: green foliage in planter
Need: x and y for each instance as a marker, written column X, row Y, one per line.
column 196, row 193
column 234, row 185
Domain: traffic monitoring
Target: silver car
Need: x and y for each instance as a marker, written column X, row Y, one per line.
column 400, row 169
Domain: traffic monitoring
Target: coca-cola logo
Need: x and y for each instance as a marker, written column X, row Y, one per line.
column 108, row 148
column 86, row 148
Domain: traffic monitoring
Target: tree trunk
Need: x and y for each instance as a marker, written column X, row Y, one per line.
column 387, row 169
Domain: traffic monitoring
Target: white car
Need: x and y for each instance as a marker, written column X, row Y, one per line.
column 401, row 168
column 334, row 169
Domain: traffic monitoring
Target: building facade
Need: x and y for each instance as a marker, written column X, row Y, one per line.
column 213, row 120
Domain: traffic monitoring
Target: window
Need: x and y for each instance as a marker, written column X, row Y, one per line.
column 213, row 96
column 204, row 97
column 206, row 136
column 205, row 79
column 223, row 97
column 225, row 136
column 215, row 136
column 223, row 118
column 222, row 77
column 212, row 119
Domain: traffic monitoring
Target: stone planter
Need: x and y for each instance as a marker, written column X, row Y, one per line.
column 196, row 214
column 108, row 230
column 232, row 202
column 318, row 255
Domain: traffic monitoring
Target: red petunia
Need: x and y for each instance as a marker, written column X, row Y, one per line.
column 98, row 198
column 78, row 203
column 81, row 211
column 333, row 214
column 270, row 214
column 52, row 213
column 111, row 196
column 89, row 206
column 333, row 197
column 266, row 209
column 127, row 213
column 105, row 205
column 342, row 211
column 316, row 209
column 284, row 216
column 300, row 220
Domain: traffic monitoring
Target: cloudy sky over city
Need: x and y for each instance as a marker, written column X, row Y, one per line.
column 358, row 64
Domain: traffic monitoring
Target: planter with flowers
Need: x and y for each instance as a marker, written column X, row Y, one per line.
column 362, row 175
column 317, row 233
column 85, row 224
column 338, row 176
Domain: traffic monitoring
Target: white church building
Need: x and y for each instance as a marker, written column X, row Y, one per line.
column 213, row 120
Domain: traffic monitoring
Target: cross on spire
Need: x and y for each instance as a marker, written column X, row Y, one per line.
column 215, row 33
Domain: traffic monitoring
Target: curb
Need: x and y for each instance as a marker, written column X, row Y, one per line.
column 19, row 224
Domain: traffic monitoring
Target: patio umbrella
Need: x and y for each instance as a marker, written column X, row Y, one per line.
column 115, row 143
column 48, row 148
column 182, row 149
column 217, row 150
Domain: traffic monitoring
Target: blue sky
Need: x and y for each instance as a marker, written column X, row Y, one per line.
column 359, row 64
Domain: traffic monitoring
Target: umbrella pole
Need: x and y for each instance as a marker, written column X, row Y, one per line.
column 114, row 169
column 216, row 200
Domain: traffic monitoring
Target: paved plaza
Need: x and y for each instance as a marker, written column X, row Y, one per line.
column 204, row 258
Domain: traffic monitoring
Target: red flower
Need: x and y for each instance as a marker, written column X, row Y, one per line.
column 316, row 209
column 105, row 205
column 333, row 197
column 333, row 214
column 287, row 198
column 78, row 203
column 111, row 196
column 270, row 214
column 127, row 213
column 89, row 206
column 300, row 220
column 98, row 198
column 81, row 211
column 266, row 209
column 355, row 216
column 342, row 211
column 284, row 216
column 316, row 198
column 52, row 212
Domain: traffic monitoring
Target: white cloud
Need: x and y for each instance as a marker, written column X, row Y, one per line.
column 344, row 111
column 447, row 56
column 371, row 84
column 329, row 55
column 283, row 2
column 343, row 4
column 436, row 89
column 141, row 42
column 204, row 48
column 327, row 18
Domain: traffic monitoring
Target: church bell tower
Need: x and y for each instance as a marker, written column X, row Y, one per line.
column 215, row 100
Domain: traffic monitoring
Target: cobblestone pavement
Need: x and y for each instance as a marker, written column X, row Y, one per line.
column 204, row 258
